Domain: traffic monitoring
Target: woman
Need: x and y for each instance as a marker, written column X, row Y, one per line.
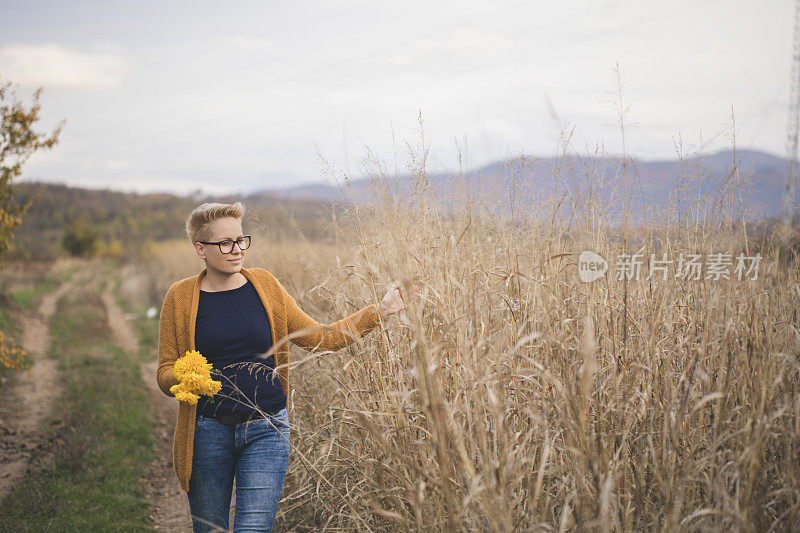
column 232, row 316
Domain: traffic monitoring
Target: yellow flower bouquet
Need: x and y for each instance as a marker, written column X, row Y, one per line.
column 194, row 375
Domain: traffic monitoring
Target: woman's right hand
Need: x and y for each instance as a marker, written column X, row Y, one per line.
column 392, row 303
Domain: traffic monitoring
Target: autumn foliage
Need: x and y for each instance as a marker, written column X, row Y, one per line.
column 18, row 141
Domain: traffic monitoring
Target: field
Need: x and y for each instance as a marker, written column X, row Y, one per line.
column 510, row 395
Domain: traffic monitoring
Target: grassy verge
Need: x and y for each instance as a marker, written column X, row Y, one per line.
column 7, row 322
column 11, row 306
column 27, row 297
column 10, row 337
column 18, row 300
column 101, row 439
column 145, row 328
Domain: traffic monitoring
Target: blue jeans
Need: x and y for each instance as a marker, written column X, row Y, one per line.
column 256, row 453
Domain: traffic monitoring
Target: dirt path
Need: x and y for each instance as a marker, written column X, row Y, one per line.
column 120, row 328
column 30, row 398
column 170, row 505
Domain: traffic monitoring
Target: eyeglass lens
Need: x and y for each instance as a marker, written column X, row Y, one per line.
column 226, row 247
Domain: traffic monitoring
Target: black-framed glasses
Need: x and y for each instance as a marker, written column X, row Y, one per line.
column 226, row 246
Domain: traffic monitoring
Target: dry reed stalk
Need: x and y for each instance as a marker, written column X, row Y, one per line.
column 498, row 400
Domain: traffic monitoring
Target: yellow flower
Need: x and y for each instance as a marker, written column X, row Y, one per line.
column 193, row 381
column 193, row 361
column 208, row 387
column 194, row 375
column 183, row 395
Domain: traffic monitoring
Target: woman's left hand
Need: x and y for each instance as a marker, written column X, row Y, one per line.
column 392, row 302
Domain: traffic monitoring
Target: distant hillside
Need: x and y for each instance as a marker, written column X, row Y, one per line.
column 126, row 222
column 537, row 181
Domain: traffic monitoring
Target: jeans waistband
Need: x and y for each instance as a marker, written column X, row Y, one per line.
column 232, row 420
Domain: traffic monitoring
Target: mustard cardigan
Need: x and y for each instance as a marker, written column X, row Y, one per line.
column 176, row 337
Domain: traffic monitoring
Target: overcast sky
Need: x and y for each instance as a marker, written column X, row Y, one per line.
column 232, row 97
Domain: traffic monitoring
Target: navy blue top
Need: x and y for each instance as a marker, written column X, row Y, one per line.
column 231, row 331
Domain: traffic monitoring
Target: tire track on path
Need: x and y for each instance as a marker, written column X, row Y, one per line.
column 30, row 398
column 170, row 506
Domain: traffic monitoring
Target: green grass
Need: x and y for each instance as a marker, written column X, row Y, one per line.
column 28, row 297
column 11, row 329
column 6, row 324
column 99, row 433
column 67, row 273
column 146, row 329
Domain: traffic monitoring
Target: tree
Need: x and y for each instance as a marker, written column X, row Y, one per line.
column 80, row 238
column 18, row 141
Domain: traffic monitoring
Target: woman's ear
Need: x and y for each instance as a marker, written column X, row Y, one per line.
column 200, row 249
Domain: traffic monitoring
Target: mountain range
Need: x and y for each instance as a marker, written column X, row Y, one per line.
column 739, row 181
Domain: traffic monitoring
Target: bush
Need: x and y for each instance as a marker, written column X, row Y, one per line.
column 80, row 239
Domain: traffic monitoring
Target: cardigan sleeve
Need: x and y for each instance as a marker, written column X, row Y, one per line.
column 316, row 337
column 167, row 345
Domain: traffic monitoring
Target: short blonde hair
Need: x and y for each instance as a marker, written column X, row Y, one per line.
column 198, row 225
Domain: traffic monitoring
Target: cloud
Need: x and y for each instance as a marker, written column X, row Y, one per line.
column 55, row 67
column 402, row 59
column 117, row 164
column 252, row 44
column 466, row 40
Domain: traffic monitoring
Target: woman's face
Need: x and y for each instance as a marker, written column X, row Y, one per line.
column 222, row 229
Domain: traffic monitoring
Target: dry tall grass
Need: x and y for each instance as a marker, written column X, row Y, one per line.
column 511, row 396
